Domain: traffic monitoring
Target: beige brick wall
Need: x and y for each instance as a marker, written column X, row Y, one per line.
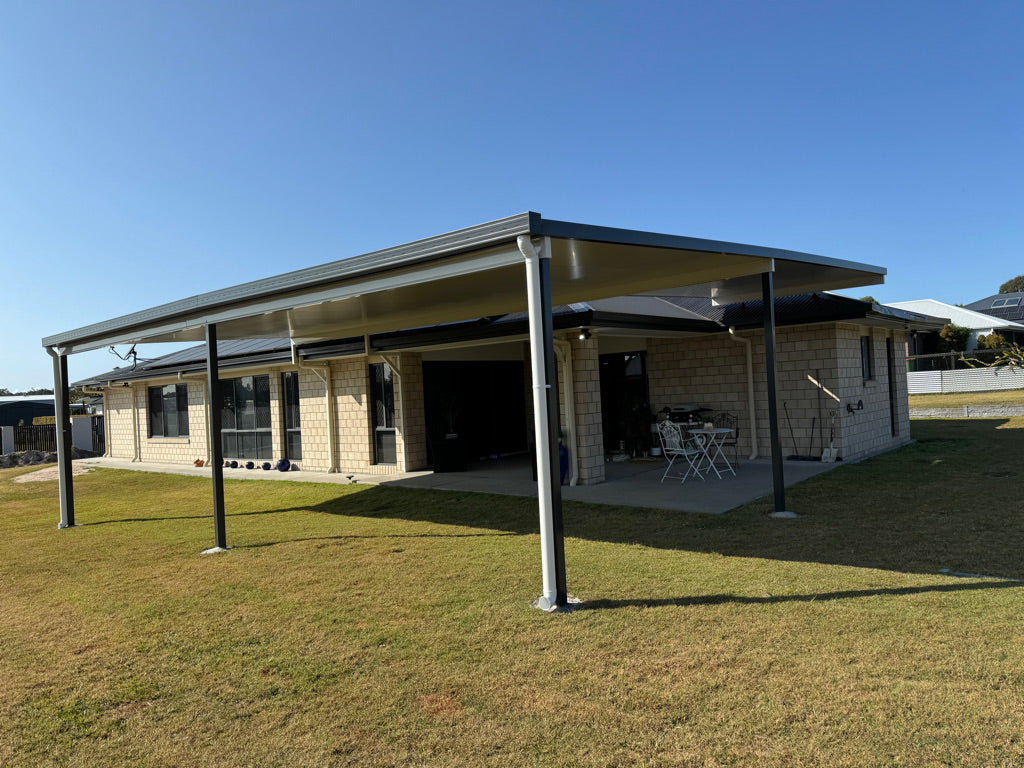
column 711, row 371
column 313, row 420
column 410, row 417
column 351, row 380
column 118, row 422
column 869, row 431
column 120, row 426
column 587, row 390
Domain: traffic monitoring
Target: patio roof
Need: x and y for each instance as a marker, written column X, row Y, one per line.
column 469, row 273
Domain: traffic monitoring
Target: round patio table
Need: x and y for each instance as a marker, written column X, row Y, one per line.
column 710, row 442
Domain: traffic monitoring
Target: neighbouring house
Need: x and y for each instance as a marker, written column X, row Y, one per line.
column 1008, row 307
column 981, row 323
column 16, row 410
column 410, row 399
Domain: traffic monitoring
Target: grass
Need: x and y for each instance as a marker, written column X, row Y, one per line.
column 373, row 626
column 959, row 399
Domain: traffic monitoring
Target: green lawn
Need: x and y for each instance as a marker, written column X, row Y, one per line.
column 369, row 626
column 959, row 399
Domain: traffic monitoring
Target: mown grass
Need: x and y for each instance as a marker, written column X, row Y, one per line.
column 960, row 399
column 375, row 626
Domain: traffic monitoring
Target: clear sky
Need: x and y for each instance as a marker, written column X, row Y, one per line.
column 151, row 150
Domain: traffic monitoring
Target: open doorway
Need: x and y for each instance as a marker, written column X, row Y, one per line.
column 625, row 403
column 474, row 410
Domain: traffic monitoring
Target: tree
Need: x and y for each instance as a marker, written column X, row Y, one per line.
column 954, row 337
column 1012, row 356
column 1013, row 286
column 869, row 299
column 991, row 341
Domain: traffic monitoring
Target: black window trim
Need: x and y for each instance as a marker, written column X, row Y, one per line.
column 157, row 426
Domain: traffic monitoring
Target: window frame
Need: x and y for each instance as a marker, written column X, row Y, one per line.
column 291, row 415
column 157, row 399
column 867, row 363
column 383, row 414
column 250, row 441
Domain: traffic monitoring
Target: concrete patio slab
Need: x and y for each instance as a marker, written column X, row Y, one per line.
column 630, row 484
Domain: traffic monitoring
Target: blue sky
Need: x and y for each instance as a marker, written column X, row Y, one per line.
column 155, row 150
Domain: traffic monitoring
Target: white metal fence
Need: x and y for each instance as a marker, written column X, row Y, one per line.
column 971, row 380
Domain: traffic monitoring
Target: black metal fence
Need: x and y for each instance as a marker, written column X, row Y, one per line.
column 36, row 438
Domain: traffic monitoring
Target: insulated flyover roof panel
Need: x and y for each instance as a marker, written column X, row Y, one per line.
column 473, row 272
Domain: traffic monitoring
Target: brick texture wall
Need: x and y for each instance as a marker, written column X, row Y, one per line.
column 410, row 416
column 118, row 423
column 711, row 371
column 587, row 389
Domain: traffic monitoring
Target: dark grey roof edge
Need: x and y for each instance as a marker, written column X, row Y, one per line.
column 492, row 232
column 570, row 230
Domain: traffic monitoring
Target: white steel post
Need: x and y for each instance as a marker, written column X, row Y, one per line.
column 545, row 406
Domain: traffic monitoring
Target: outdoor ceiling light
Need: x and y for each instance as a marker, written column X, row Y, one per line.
column 584, row 333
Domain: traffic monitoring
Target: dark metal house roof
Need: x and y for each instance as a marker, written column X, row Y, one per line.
column 1005, row 306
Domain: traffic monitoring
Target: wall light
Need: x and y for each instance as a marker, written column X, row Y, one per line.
column 584, row 334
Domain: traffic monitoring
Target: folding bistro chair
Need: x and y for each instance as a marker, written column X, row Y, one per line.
column 674, row 446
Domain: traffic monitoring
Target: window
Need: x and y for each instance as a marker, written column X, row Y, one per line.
column 292, row 431
column 382, row 396
column 1013, row 301
column 168, row 411
column 865, row 358
column 245, row 418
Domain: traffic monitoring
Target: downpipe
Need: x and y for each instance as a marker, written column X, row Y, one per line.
column 563, row 349
column 750, row 391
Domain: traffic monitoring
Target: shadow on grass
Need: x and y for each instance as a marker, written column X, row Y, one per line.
column 950, row 500
column 207, row 516
column 349, row 537
column 808, row 598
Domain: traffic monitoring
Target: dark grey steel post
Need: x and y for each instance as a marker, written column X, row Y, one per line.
column 62, row 410
column 778, row 482
column 561, row 592
column 216, row 447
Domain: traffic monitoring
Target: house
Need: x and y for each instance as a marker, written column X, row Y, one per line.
column 18, row 410
column 394, row 401
column 353, row 392
column 1008, row 307
column 980, row 323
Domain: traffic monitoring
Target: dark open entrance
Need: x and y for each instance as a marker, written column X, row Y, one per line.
column 474, row 410
column 625, row 404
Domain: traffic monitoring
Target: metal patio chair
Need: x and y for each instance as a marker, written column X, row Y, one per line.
column 674, row 446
